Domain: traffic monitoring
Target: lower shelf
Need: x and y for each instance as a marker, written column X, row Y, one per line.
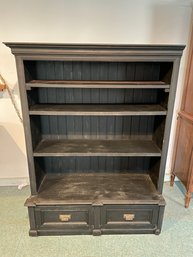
column 100, row 188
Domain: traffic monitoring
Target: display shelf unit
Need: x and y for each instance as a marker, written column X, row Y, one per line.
column 97, row 121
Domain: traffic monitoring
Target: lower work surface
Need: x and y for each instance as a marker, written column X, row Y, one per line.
column 92, row 188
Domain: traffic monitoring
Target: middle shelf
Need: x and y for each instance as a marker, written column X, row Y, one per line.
column 91, row 147
column 89, row 109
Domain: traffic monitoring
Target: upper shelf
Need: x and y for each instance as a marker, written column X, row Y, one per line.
column 95, row 84
column 87, row 109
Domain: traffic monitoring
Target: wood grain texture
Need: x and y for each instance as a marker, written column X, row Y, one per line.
column 96, row 188
column 104, row 110
column 97, row 164
column 90, row 74
column 84, row 147
column 92, row 127
column 96, row 84
column 183, row 148
column 96, row 96
column 144, row 216
column 97, row 219
column 184, row 152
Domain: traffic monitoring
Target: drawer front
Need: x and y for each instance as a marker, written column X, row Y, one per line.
column 127, row 217
column 68, row 219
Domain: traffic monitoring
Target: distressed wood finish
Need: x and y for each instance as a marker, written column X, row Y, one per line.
column 96, row 164
column 97, row 121
column 101, row 188
column 182, row 166
column 92, row 127
column 142, row 217
column 104, row 110
column 96, row 84
column 87, row 219
column 97, row 96
column 85, row 147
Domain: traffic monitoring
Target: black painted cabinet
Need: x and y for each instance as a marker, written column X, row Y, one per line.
column 97, row 123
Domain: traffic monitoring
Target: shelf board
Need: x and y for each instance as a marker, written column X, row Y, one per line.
column 86, row 147
column 131, row 188
column 78, row 110
column 95, row 84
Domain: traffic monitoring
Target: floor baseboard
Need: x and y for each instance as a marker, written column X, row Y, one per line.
column 20, row 182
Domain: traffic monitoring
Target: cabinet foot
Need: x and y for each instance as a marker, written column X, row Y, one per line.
column 157, row 232
column 187, row 199
column 96, row 232
column 33, row 233
column 172, row 178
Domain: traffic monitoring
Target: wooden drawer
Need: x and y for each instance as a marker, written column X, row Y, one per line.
column 63, row 219
column 129, row 218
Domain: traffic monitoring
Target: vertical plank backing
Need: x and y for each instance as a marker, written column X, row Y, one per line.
column 150, row 70
column 39, row 170
column 35, row 125
column 96, row 164
column 97, row 96
column 87, row 126
column 104, row 127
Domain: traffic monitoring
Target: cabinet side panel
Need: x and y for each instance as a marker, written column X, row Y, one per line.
column 26, row 122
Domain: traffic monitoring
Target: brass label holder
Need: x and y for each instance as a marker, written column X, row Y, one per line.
column 128, row 216
column 65, row 217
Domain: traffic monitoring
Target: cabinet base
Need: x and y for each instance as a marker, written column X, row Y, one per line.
column 96, row 220
column 33, row 233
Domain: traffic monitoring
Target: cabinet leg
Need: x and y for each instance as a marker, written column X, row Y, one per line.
column 96, row 232
column 187, row 199
column 33, row 232
column 172, row 178
column 157, row 232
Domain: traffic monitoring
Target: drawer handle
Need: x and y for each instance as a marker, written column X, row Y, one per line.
column 65, row 217
column 129, row 217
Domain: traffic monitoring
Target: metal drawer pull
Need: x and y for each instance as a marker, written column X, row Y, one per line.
column 129, row 217
column 65, row 217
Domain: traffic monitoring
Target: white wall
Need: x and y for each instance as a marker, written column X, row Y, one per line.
column 85, row 21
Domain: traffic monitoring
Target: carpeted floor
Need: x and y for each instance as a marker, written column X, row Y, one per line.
column 175, row 240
